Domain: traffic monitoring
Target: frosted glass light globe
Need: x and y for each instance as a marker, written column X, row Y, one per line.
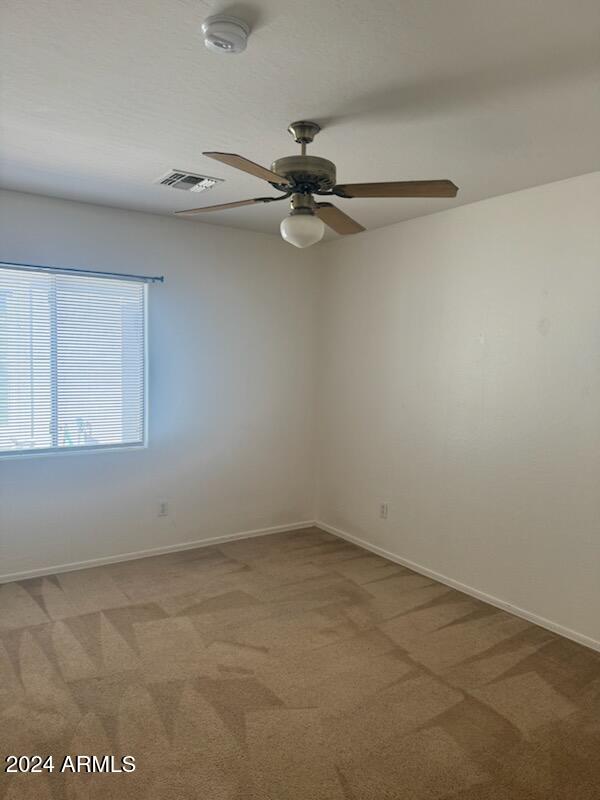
column 302, row 230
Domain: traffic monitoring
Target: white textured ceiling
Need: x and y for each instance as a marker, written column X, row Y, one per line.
column 99, row 98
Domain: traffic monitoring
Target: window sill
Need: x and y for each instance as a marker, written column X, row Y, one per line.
column 70, row 451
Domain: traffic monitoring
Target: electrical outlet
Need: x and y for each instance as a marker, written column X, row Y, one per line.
column 163, row 508
column 383, row 510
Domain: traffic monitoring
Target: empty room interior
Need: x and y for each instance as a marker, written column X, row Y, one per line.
column 300, row 400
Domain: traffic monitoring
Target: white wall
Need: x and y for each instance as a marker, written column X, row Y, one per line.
column 460, row 381
column 232, row 346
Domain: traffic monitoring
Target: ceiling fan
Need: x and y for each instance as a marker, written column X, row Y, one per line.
column 302, row 176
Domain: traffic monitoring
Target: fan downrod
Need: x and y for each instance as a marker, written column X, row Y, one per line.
column 305, row 174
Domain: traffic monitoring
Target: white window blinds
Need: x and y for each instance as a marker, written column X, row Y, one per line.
column 72, row 362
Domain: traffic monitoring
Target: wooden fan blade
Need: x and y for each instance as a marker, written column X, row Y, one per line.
column 192, row 211
column 398, row 189
column 337, row 220
column 239, row 162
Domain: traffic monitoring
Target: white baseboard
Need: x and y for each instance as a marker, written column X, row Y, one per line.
column 153, row 551
column 555, row 627
column 580, row 638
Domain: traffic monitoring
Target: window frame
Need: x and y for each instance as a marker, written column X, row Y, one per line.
column 41, row 452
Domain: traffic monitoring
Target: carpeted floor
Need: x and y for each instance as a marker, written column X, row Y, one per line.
column 289, row 667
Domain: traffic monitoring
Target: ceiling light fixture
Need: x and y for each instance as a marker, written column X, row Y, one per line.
column 225, row 34
column 302, row 228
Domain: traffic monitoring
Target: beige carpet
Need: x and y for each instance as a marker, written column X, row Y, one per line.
column 289, row 667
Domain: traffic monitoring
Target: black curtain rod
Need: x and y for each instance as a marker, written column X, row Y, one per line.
column 78, row 271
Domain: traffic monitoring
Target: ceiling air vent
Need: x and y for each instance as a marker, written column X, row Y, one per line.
column 188, row 181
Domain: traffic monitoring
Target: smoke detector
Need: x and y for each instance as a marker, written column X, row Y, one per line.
column 188, row 181
column 225, row 34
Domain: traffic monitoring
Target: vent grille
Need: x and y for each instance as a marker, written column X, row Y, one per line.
column 188, row 181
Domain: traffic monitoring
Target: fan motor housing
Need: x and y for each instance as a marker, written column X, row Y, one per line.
column 311, row 173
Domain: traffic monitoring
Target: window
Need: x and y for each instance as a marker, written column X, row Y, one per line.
column 72, row 361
